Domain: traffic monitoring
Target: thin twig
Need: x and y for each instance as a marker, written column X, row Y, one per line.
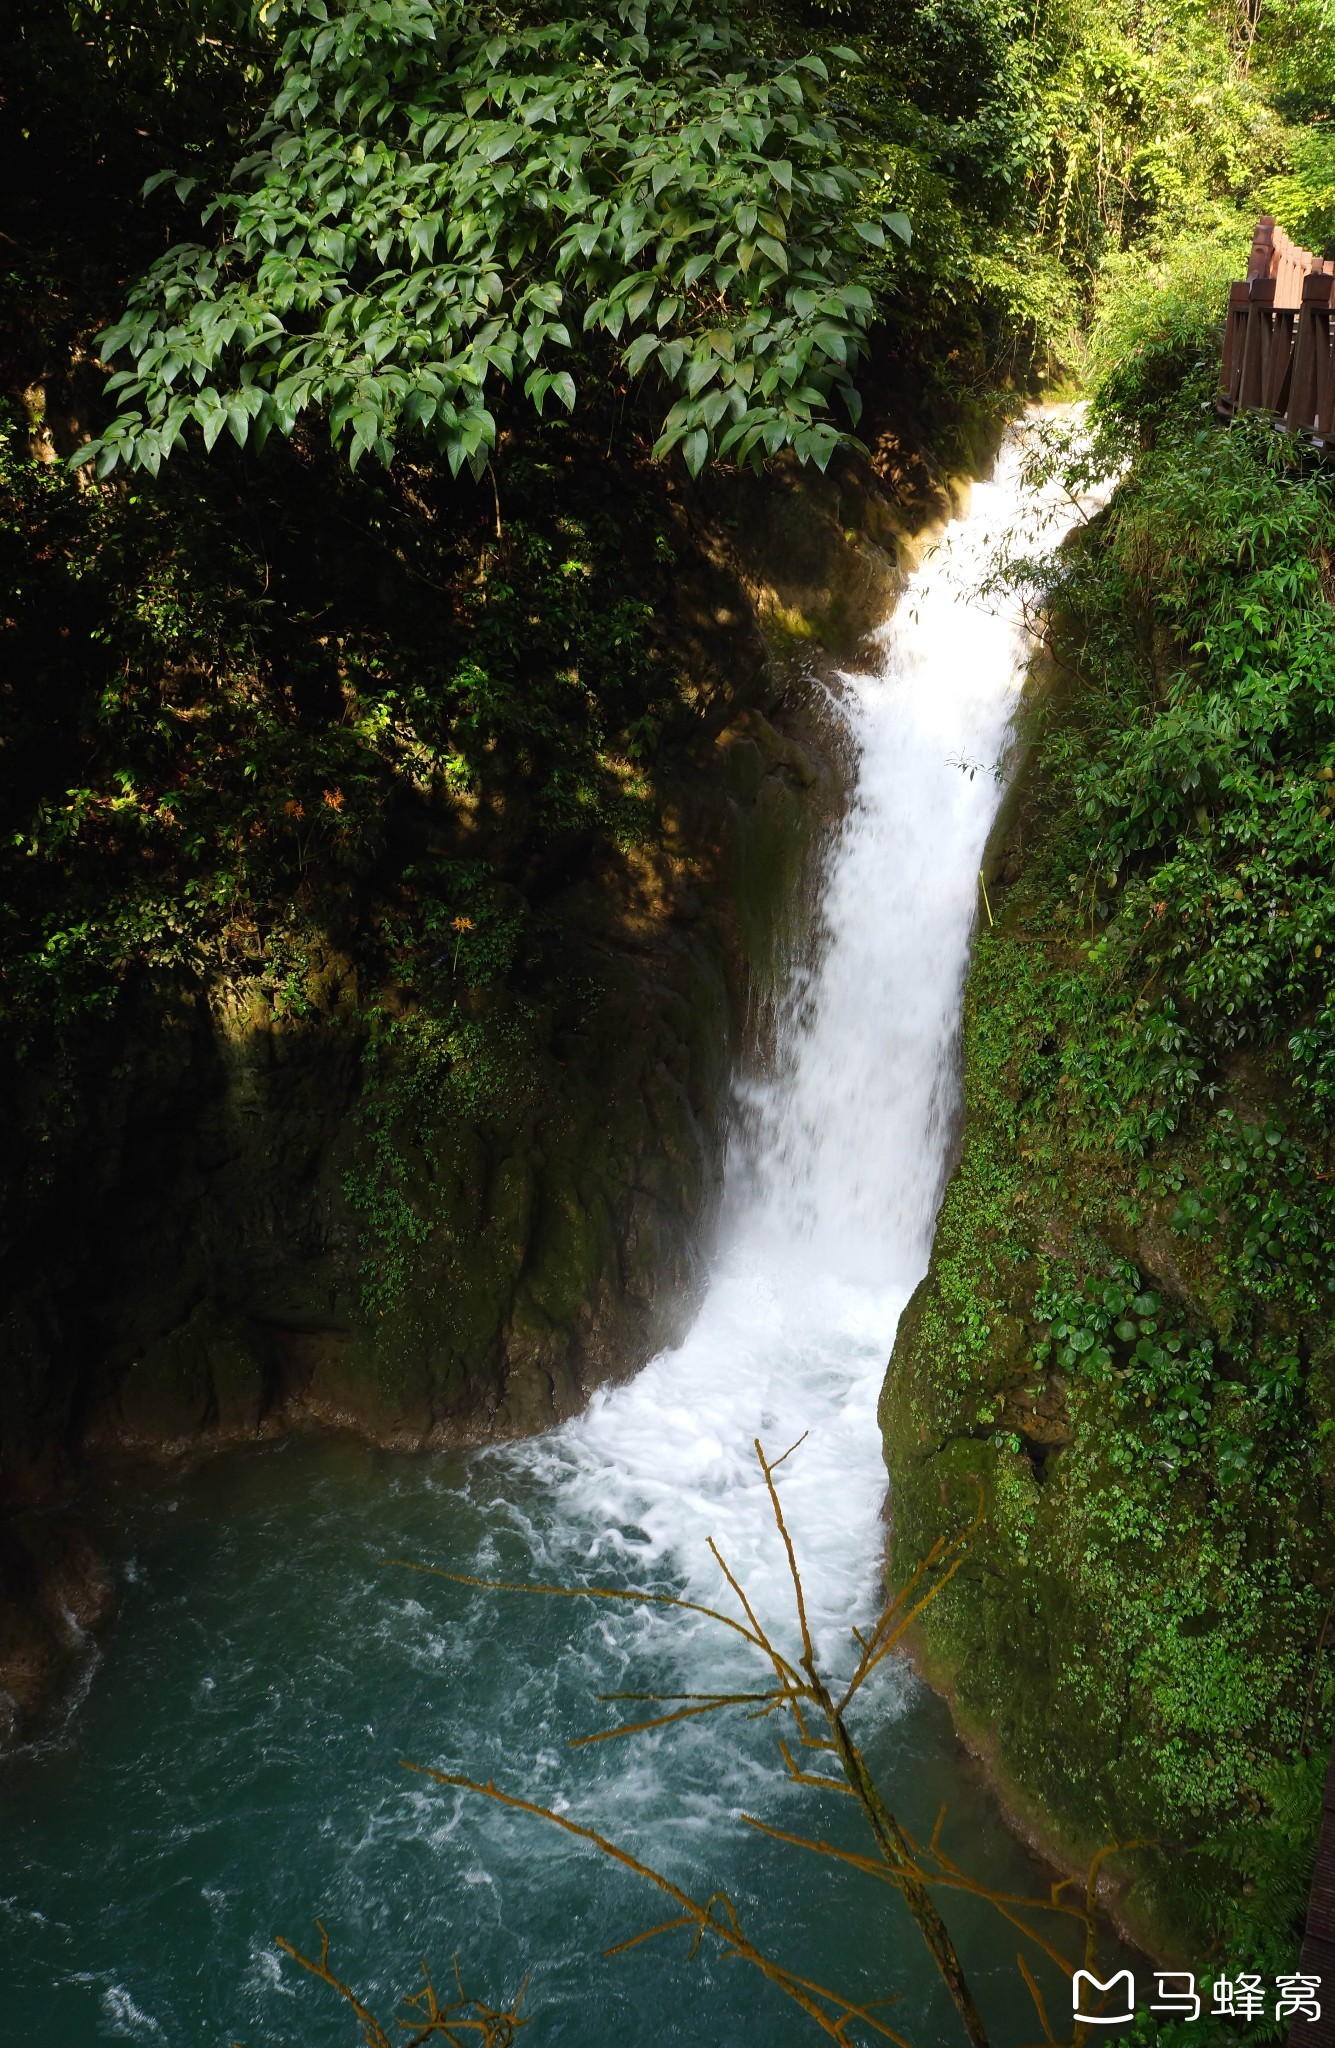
column 633, row 1598
column 708, row 1705
column 1037, row 1997
column 805, row 1992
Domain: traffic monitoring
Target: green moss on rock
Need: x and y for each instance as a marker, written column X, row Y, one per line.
column 1133, row 1640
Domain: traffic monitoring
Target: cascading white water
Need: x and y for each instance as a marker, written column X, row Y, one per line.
column 833, row 1191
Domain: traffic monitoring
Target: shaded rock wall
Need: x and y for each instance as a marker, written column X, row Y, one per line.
column 188, row 1236
column 185, row 1262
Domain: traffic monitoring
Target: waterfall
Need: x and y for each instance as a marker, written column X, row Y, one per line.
column 840, row 1165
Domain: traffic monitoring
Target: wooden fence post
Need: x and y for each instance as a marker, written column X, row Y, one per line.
column 1230, row 373
column 1308, row 408
column 1256, row 344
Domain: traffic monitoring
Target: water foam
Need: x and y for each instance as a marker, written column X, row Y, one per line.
column 842, row 1149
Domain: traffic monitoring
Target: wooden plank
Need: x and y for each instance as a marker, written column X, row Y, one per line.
column 1230, row 368
column 1309, row 384
column 1256, row 344
column 1325, row 388
column 1279, row 361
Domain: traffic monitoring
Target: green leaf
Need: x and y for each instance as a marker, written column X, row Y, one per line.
column 695, row 450
column 212, row 416
column 639, row 352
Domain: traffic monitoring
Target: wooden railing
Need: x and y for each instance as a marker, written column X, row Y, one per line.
column 1278, row 339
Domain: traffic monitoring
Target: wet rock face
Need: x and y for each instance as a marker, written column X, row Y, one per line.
column 192, row 1268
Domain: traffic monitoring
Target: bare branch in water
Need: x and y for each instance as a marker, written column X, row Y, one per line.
column 632, row 1597
column 711, row 1704
column 831, row 2011
column 465, row 2022
column 819, row 1712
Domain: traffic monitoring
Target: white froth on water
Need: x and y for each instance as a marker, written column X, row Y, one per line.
column 835, row 1178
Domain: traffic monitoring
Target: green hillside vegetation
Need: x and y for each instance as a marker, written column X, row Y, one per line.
column 1031, row 155
column 1128, row 1328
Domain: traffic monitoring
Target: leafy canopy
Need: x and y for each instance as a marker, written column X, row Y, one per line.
column 435, row 199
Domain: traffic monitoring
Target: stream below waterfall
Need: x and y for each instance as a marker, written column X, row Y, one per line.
column 231, row 1770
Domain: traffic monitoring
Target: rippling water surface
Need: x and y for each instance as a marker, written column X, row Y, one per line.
column 232, row 1770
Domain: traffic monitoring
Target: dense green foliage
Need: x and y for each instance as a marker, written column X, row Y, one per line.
column 1201, row 841
column 436, row 198
column 436, row 203
column 1140, row 1631
column 1046, row 152
column 244, row 694
column 175, row 645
